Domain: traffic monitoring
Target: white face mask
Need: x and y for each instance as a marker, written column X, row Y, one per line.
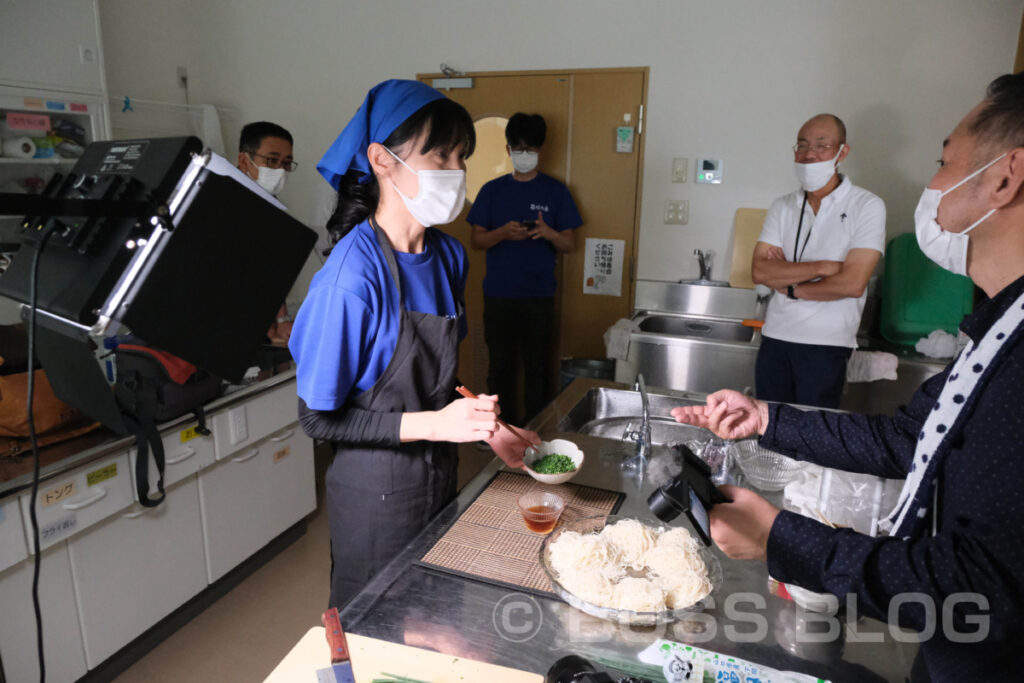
column 815, row 175
column 524, row 162
column 441, row 196
column 948, row 249
column 270, row 179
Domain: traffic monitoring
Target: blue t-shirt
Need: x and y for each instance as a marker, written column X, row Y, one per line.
column 523, row 269
column 347, row 328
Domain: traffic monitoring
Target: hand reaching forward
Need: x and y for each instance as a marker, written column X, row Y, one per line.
column 729, row 414
column 508, row 447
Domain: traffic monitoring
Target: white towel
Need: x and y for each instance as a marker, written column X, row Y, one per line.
column 938, row 344
column 868, row 366
column 616, row 338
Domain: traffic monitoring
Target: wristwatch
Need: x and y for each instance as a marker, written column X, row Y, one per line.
column 790, row 293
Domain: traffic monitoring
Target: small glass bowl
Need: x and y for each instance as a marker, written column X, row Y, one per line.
column 765, row 469
column 541, row 510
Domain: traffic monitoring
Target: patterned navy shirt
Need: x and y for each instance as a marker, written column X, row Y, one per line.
column 979, row 546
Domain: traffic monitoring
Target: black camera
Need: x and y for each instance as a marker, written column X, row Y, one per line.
column 691, row 492
column 575, row 669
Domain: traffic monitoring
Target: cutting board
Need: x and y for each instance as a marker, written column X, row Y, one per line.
column 371, row 657
column 746, row 230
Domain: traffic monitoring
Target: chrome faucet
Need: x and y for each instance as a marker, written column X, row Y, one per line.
column 704, row 261
column 642, row 437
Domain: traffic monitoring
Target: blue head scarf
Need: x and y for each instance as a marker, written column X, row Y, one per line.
column 385, row 108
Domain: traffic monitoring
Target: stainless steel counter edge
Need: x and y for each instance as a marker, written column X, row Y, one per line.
column 115, row 444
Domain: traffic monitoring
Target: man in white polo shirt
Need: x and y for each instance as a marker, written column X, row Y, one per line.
column 817, row 250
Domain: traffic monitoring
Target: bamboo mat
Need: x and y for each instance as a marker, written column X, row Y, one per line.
column 489, row 541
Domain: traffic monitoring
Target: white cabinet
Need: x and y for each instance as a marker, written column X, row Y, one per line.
column 185, row 453
column 70, row 503
column 51, row 44
column 62, row 637
column 12, row 535
column 250, row 421
column 136, row 568
column 253, row 495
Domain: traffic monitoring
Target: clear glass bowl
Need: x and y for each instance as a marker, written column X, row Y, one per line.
column 765, row 469
column 586, row 525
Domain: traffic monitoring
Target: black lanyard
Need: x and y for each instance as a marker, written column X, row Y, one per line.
column 799, row 228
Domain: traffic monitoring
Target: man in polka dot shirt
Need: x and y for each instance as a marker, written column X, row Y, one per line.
column 960, row 546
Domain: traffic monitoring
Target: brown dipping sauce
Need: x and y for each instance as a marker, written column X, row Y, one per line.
column 541, row 527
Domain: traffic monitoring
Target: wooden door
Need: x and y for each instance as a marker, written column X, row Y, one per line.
column 582, row 110
column 606, row 186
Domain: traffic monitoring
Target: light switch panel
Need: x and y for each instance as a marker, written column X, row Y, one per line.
column 677, row 212
column 679, row 166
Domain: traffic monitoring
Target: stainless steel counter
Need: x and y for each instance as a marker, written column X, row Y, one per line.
column 94, row 451
column 466, row 618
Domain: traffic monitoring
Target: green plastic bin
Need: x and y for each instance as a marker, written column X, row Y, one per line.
column 918, row 296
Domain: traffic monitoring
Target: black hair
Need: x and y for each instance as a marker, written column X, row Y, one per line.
column 448, row 124
column 526, row 129
column 1000, row 122
column 253, row 134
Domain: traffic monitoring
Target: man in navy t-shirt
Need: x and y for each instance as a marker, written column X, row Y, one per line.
column 523, row 220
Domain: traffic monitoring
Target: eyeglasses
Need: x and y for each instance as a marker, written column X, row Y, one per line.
column 275, row 162
column 525, row 149
column 817, row 148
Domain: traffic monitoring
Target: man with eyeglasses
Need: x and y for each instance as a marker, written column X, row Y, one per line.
column 265, row 155
column 817, row 251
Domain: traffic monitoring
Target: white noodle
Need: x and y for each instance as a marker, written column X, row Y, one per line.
column 594, row 566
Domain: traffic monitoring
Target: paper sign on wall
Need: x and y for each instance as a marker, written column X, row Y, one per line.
column 624, row 139
column 602, row 269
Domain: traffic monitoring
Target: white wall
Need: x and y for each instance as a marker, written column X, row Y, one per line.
column 732, row 79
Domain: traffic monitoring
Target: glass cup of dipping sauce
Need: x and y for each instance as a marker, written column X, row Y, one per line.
column 541, row 510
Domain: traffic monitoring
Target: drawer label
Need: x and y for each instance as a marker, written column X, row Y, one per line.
column 283, row 453
column 58, row 493
column 58, row 528
column 102, row 474
column 189, row 434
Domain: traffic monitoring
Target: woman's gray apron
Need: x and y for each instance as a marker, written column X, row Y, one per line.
column 378, row 499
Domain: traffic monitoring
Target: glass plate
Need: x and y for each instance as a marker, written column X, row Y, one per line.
column 586, row 525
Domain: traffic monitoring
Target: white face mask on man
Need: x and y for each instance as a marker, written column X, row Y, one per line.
column 815, row 175
column 441, row 196
column 270, row 179
column 948, row 249
column 524, row 161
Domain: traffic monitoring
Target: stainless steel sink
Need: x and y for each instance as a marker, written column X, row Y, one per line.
column 609, row 413
column 663, row 429
column 683, row 326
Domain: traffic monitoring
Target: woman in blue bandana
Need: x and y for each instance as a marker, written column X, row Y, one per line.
column 376, row 340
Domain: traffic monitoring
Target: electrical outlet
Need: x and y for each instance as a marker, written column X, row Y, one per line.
column 679, row 165
column 677, row 212
column 182, row 77
column 238, row 424
column 87, row 54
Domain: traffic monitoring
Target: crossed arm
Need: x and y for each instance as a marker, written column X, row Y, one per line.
column 832, row 280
